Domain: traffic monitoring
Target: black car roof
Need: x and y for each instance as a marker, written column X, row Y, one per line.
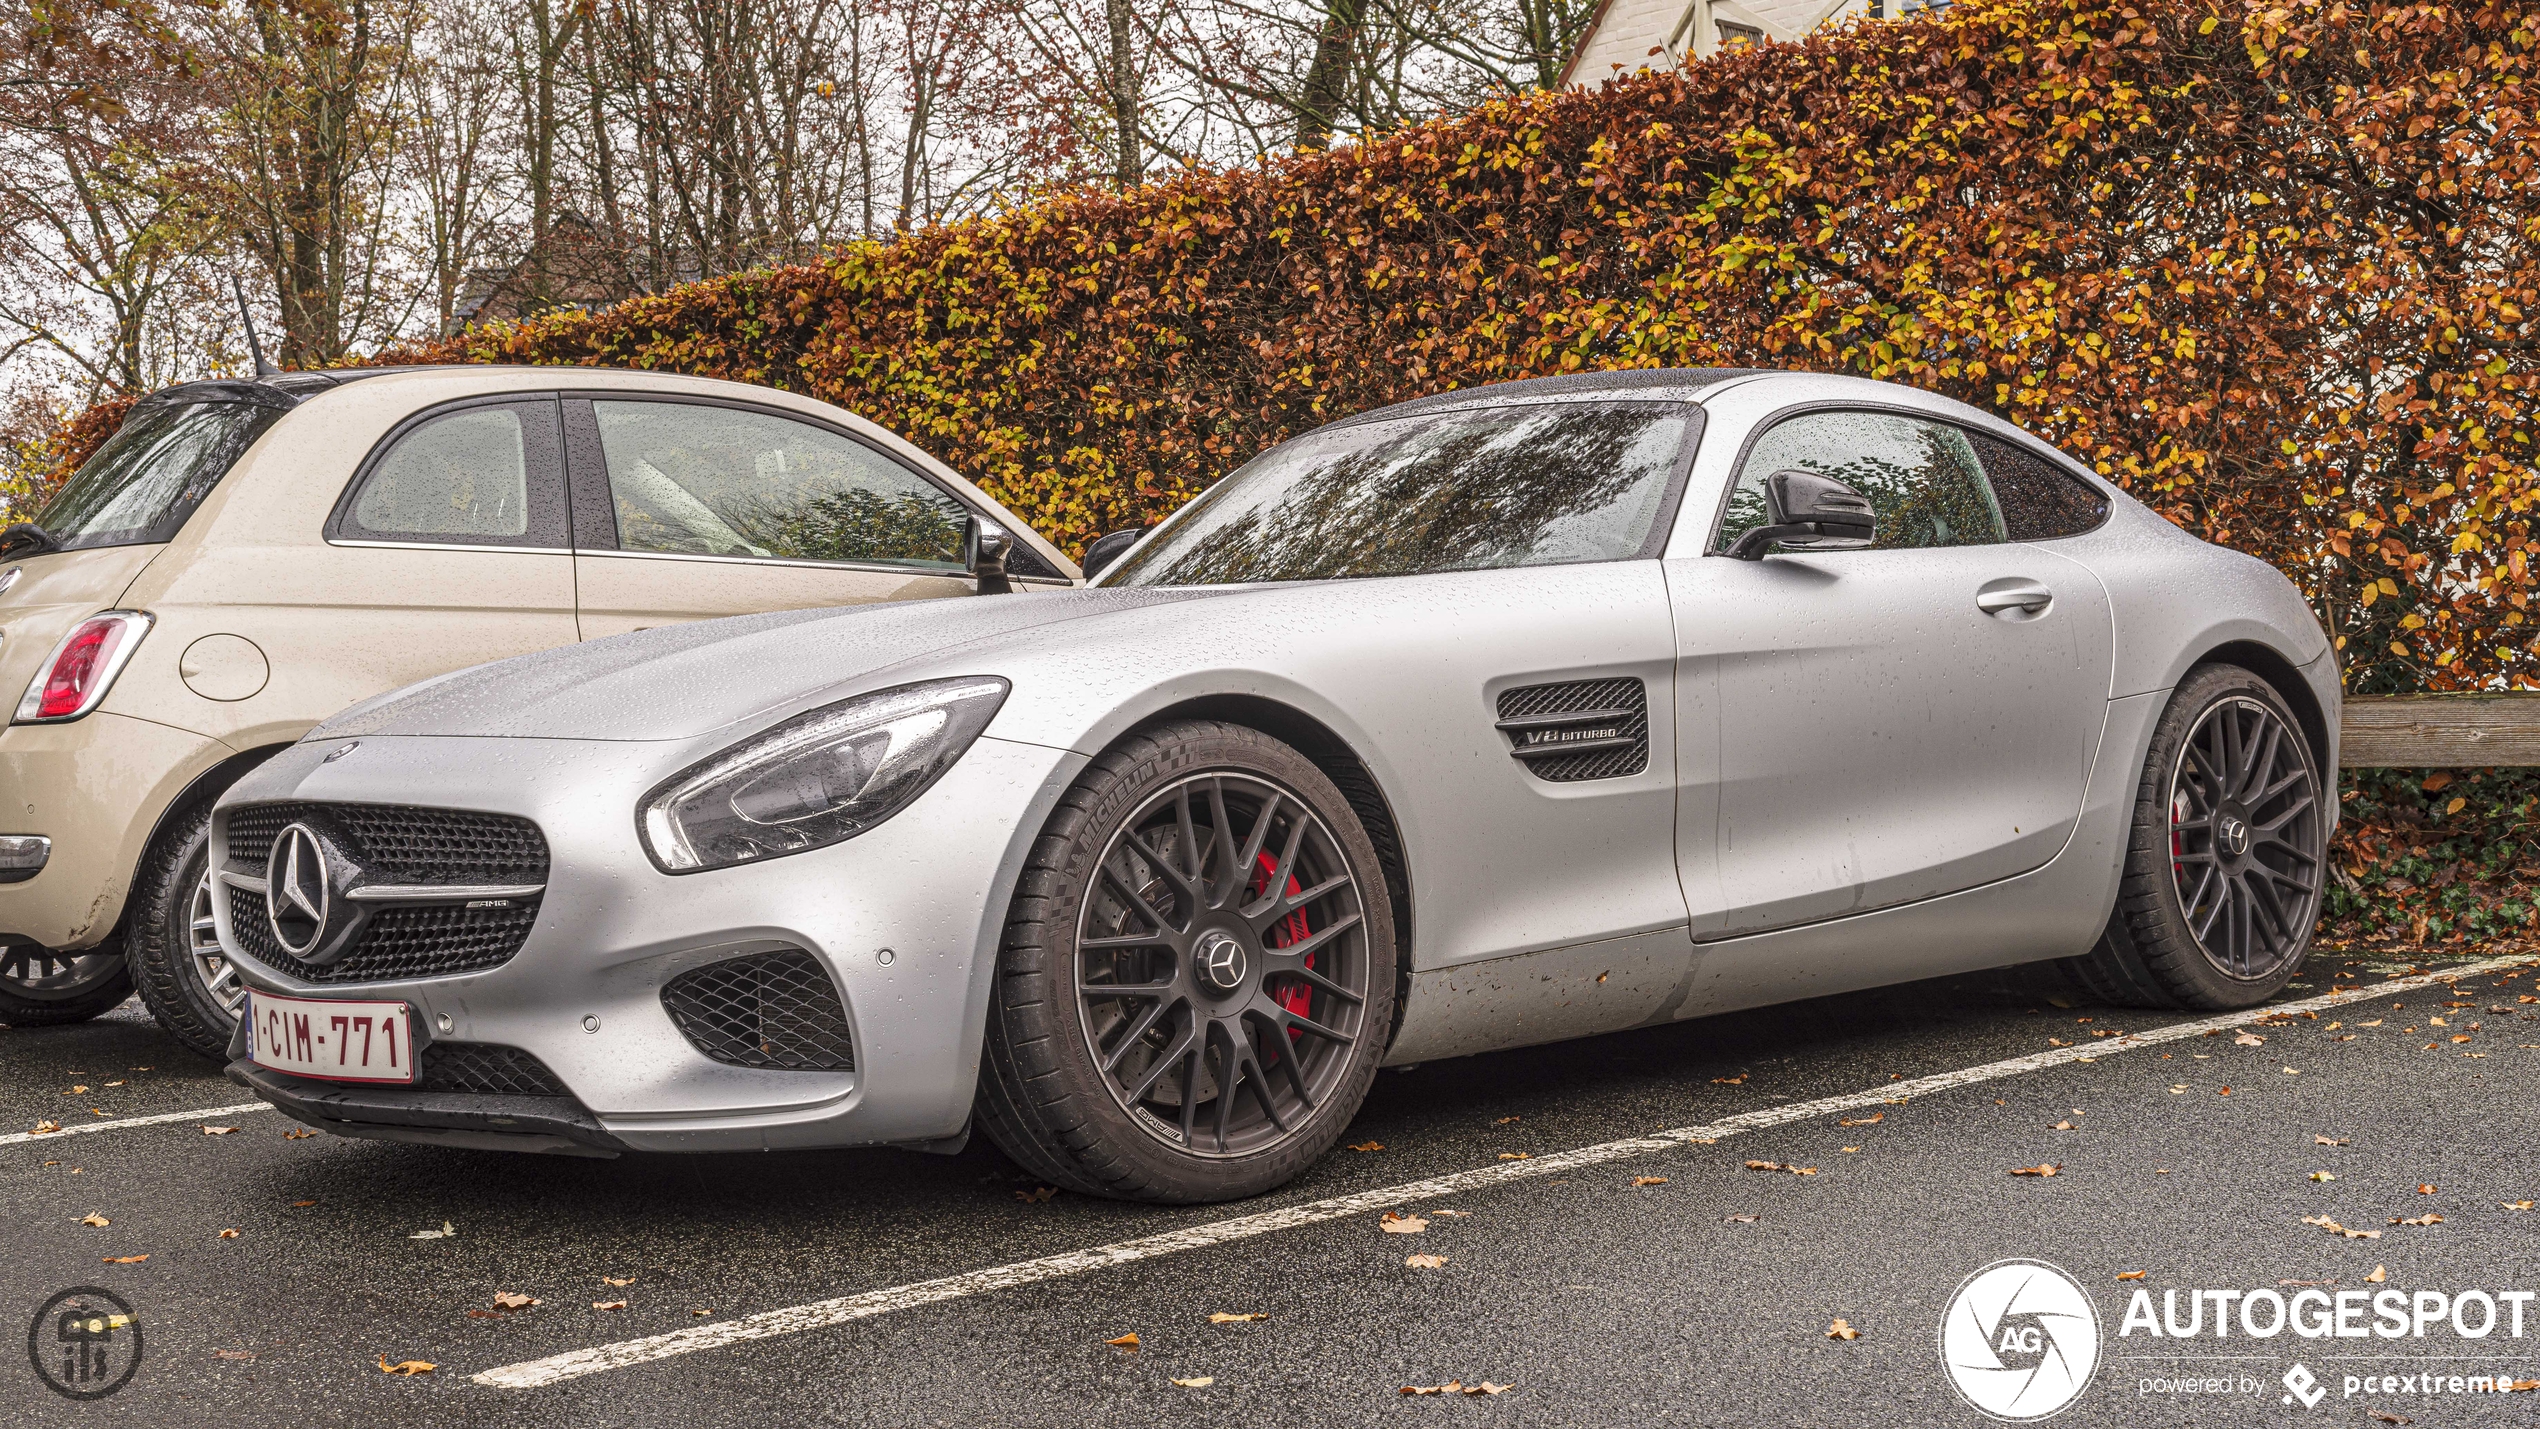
column 1637, row 381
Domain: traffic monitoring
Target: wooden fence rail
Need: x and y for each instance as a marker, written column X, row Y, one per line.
column 2440, row 731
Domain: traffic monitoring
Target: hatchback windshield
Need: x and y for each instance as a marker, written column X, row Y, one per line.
column 149, row 476
column 1471, row 490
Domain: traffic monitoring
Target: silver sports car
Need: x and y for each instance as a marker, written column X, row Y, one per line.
column 1521, row 713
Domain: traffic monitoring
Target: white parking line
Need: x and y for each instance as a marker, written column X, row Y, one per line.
column 119, row 1123
column 573, row 1364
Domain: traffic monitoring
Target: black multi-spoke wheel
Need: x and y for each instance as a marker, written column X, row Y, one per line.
column 1198, row 973
column 2230, row 846
column 174, row 949
column 2245, row 845
column 40, row 988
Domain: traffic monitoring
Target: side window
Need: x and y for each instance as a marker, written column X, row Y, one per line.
column 1923, row 478
column 481, row 475
column 690, row 479
column 2040, row 501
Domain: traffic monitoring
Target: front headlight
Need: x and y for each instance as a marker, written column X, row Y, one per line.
column 817, row 779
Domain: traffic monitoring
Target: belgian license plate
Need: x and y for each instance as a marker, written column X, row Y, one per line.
column 333, row 1041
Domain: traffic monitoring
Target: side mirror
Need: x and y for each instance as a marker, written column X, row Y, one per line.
column 1110, row 548
column 983, row 552
column 1810, row 512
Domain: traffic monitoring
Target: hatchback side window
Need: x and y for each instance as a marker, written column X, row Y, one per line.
column 2040, row 501
column 689, row 479
column 479, row 475
column 1923, row 478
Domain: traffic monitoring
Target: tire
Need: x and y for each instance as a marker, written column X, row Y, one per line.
column 2225, row 865
column 41, row 989
column 177, row 964
column 1238, row 1062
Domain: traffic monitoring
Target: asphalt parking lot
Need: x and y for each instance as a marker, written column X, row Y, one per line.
column 1602, row 1284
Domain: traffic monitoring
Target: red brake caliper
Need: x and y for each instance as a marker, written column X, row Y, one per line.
column 1295, row 997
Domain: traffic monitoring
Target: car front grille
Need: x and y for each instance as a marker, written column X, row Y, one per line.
column 775, row 1010
column 398, row 843
column 410, row 941
column 487, row 1069
column 1579, row 729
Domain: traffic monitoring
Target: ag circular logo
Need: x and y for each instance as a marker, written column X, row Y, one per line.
column 2020, row 1340
column 85, row 1343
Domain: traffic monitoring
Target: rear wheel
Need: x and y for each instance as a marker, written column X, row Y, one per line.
column 1198, row 974
column 45, row 989
column 2224, row 871
column 173, row 949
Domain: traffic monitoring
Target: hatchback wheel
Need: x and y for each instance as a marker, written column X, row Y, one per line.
column 173, row 948
column 2224, row 871
column 44, row 989
column 1198, row 973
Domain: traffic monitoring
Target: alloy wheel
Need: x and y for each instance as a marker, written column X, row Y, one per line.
column 202, row 945
column 41, row 976
column 2246, row 839
column 1222, row 964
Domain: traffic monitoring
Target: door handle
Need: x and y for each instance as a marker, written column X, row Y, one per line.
column 2014, row 600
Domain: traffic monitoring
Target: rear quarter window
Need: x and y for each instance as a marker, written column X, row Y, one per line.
column 150, row 476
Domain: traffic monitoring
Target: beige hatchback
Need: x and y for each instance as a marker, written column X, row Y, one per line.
column 243, row 559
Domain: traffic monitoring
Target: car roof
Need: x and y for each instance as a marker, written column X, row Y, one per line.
column 1649, row 383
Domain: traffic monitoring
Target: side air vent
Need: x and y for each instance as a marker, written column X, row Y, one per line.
column 1581, row 729
column 776, row 1010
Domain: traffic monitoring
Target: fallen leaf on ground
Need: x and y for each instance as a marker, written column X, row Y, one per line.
column 1460, row 1214
column 2389, row 1418
column 45, row 1128
column 1369, row 1146
column 94, row 1219
column 295, row 1205
column 2323, row 1175
column 617, row 1280
column 447, row 1230
column 1516, row 1156
column 1037, row 1193
column 2045, row 1169
column 2429, row 1219
column 704, row 1310
column 2224, row 1092
column 2515, row 1205
column 409, row 1367
column 1842, row 1329
column 298, row 1133
column 2248, row 1039
column 218, row 1130
column 1503, row 1121
column 2426, row 1190
column 1395, row 1223
column 1850, row 1149
column 2063, row 1126
column 608, row 1304
column 2376, row 1022
column 2333, row 1228
column 1457, row 1386
column 1777, row 1166
column 125, row 1259
column 79, row 1089
column 1873, row 1119
column 1197, row 1382
column 1220, row 1317
column 229, row 1235
column 1424, row 1262
column 2379, row 1274
column 1742, row 1220
column 2130, row 1274
column 1127, row 1342
column 1737, row 1081
column 2317, row 1140
column 1649, row 1180
column 233, row 1354
column 512, row 1300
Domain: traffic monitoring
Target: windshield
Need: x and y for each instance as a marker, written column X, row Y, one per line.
column 149, row 476
column 1470, row 490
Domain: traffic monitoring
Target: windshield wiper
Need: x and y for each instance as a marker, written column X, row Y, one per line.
column 25, row 538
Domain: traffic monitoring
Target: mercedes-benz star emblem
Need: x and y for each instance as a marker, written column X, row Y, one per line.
column 1220, row 961
column 298, row 895
column 2233, row 834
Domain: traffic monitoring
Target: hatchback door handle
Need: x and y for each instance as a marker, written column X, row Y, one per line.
column 2014, row 600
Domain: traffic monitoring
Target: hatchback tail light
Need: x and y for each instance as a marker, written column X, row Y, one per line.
column 78, row 672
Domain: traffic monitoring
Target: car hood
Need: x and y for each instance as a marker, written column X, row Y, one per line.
column 682, row 681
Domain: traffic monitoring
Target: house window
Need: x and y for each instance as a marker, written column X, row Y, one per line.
column 1735, row 36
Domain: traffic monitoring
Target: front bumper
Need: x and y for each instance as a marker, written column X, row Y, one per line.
column 555, row 1125
column 905, row 920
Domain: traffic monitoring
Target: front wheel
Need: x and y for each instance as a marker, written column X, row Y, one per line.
column 174, row 949
column 1198, row 973
column 2225, row 868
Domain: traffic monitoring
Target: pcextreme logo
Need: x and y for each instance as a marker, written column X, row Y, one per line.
column 2020, row 1340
